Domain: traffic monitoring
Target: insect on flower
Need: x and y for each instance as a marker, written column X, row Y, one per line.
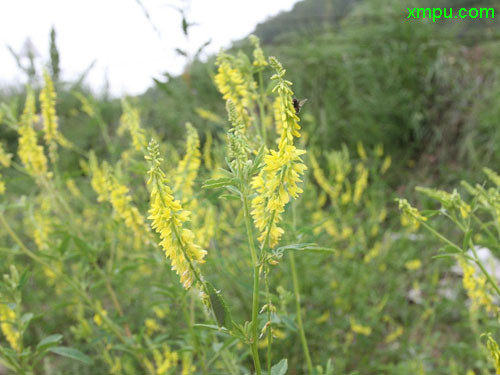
column 297, row 104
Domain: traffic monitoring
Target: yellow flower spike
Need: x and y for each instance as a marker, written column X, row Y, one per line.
column 187, row 364
column 233, row 85
column 476, row 288
column 494, row 350
column 168, row 219
column 361, row 183
column 278, row 180
column 5, row 158
column 394, row 335
column 258, row 54
column 87, row 107
column 131, row 121
column 361, row 151
column 188, row 167
column 71, row 185
column 98, row 316
column 151, row 326
column 48, row 102
column 43, row 225
column 100, row 178
column 411, row 215
column 8, row 318
column 207, row 151
column 109, row 189
column 160, row 313
column 373, row 252
column 413, row 265
column 360, row 329
column 121, row 201
column 30, row 153
column 493, row 176
column 321, row 179
column 386, row 164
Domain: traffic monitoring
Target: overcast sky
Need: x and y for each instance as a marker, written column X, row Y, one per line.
column 116, row 33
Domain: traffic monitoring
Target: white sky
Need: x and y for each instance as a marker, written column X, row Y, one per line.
column 118, row 35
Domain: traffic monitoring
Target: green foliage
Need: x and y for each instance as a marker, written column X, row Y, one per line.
column 350, row 289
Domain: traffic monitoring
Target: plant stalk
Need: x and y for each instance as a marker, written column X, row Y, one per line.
column 256, row 280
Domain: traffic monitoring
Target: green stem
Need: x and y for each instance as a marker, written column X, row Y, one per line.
column 296, row 291
column 300, row 325
column 256, row 277
column 440, row 236
column 269, row 328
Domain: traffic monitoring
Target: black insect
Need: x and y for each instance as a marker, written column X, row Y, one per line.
column 297, row 104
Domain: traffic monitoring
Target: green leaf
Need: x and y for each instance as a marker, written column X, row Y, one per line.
column 217, row 183
column 71, row 353
column 307, row 247
column 280, row 367
column 219, row 306
column 230, row 197
column 26, row 318
column 48, row 341
column 212, row 327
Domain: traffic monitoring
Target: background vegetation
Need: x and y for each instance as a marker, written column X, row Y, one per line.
column 393, row 103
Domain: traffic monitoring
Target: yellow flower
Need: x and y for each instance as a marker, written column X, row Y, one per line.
column 187, row 364
column 394, row 335
column 358, row 328
column 258, row 55
column 373, row 253
column 209, row 115
column 321, row 179
column 98, row 316
column 8, row 318
column 275, row 185
column 234, row 85
column 43, row 224
column 493, row 176
column 494, row 350
column 160, row 314
column 168, row 219
column 100, row 178
column 70, row 184
column 151, row 326
column 323, row 318
column 5, row 157
column 476, row 288
column 86, row 104
column 411, row 215
column 188, row 167
column 165, row 360
column 30, row 153
column 413, row 265
column 386, row 164
column 361, row 183
column 131, row 121
column 108, row 188
column 121, row 201
column 48, row 104
column 361, row 151
column 207, row 151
